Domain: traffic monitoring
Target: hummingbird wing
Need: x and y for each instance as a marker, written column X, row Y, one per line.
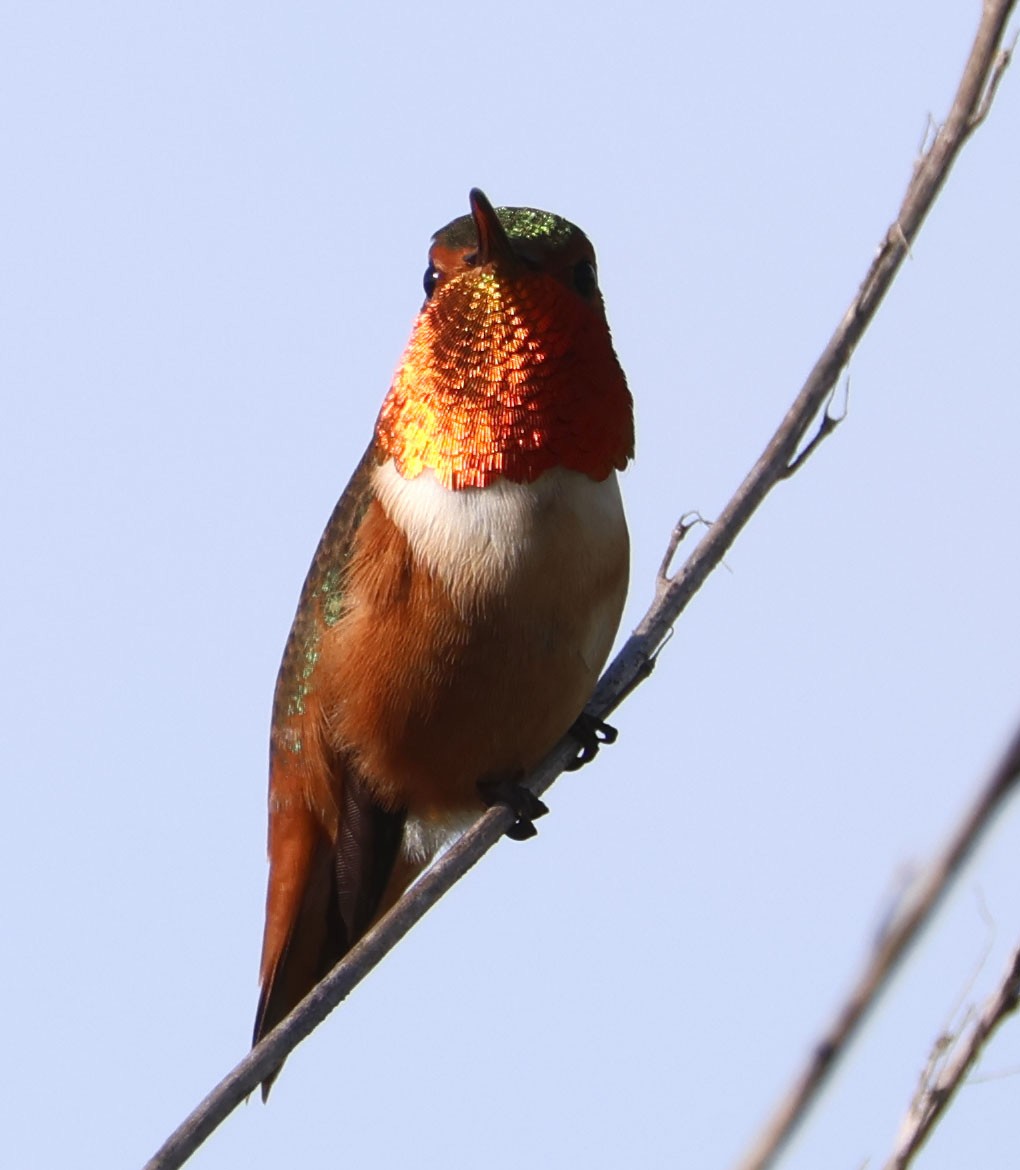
column 331, row 847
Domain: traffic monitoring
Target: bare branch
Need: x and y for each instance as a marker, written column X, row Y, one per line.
column 939, row 1088
column 924, row 898
column 635, row 661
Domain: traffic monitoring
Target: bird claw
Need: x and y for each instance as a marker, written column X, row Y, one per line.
column 521, row 801
column 591, row 734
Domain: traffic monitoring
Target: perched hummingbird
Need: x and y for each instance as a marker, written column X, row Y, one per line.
column 464, row 596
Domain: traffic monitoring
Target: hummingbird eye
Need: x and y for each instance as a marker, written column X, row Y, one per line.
column 430, row 280
column 585, row 280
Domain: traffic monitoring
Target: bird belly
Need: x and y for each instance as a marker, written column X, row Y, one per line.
column 476, row 624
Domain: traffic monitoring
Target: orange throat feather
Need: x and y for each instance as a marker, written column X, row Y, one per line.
column 506, row 376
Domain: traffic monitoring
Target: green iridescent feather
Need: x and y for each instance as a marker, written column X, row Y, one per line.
column 519, row 223
column 320, row 607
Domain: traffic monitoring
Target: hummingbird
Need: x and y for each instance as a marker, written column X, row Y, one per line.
column 464, row 596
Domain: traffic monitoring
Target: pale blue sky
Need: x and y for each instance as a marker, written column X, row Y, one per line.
column 216, row 220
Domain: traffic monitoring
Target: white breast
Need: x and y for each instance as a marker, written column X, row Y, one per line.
column 478, row 540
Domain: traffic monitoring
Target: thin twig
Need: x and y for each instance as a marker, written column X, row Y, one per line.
column 1002, row 63
column 635, row 660
column 686, row 522
column 934, row 1097
column 825, row 428
column 921, row 903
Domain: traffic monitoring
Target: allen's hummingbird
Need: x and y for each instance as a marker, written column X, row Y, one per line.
column 465, row 593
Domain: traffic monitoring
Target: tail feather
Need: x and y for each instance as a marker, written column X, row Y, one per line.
column 322, row 897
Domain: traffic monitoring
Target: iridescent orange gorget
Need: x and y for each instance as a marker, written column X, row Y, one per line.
column 508, row 372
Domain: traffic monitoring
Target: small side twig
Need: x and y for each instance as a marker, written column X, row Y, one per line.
column 686, row 522
column 1002, row 63
column 825, row 429
column 934, row 1096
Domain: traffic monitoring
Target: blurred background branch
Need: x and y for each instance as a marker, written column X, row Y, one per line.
column 946, row 1072
column 910, row 918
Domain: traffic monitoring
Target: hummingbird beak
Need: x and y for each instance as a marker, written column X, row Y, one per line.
column 493, row 242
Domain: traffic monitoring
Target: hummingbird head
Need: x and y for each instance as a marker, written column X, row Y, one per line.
column 510, row 369
column 512, row 241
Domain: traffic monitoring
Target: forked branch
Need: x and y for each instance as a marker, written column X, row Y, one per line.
column 934, row 1096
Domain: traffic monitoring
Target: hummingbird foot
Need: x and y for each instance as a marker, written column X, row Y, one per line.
column 591, row 734
column 521, row 801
